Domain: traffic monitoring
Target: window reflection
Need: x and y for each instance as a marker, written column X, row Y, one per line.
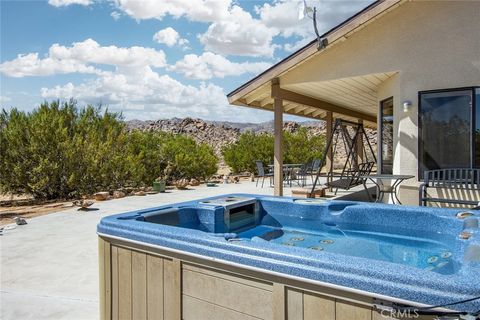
column 445, row 137
column 387, row 136
column 477, row 129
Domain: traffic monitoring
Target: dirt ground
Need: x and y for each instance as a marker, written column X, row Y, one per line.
column 29, row 211
column 25, row 207
column 13, row 206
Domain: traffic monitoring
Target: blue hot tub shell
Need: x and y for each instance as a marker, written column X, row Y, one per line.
column 214, row 228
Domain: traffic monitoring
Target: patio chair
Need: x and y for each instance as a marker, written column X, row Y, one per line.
column 262, row 173
column 300, row 174
column 352, row 178
column 315, row 165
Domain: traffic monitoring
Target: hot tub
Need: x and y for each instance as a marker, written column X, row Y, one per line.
column 245, row 256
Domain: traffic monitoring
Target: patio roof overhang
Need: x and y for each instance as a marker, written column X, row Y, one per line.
column 351, row 98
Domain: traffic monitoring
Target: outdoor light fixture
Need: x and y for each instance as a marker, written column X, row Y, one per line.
column 310, row 12
column 406, row 105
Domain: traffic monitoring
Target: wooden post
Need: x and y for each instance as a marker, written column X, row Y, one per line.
column 329, row 162
column 360, row 154
column 278, row 148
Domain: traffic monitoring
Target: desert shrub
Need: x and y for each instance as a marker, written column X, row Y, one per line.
column 61, row 151
column 145, row 157
column 57, row 151
column 241, row 155
column 299, row 147
column 98, row 156
column 187, row 158
column 152, row 152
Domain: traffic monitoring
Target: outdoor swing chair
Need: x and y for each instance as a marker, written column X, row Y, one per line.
column 351, row 134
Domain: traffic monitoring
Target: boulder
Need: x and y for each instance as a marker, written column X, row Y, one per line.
column 194, row 182
column 101, row 196
column 118, row 194
column 181, row 184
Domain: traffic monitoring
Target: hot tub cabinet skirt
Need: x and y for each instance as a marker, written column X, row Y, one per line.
column 140, row 282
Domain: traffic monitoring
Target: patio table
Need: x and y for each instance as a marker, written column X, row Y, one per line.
column 382, row 188
column 288, row 169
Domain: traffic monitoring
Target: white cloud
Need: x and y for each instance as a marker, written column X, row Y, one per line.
column 239, row 34
column 4, row 99
column 231, row 29
column 64, row 3
column 79, row 58
column 234, row 31
column 31, row 65
column 282, row 17
column 90, row 51
column 198, row 10
column 169, row 37
column 210, row 65
column 115, row 15
column 144, row 94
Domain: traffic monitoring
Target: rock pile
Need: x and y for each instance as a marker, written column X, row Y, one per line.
column 219, row 134
column 201, row 131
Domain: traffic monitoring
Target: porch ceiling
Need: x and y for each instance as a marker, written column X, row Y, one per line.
column 349, row 98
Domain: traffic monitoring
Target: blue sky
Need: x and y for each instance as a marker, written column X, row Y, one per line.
column 150, row 59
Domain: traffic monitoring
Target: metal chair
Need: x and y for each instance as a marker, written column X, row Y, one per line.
column 262, row 173
column 314, row 168
column 457, row 179
column 300, row 174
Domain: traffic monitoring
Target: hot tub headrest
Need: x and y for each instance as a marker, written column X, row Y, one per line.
column 168, row 216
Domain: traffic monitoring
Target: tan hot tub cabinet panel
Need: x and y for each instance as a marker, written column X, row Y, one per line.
column 148, row 282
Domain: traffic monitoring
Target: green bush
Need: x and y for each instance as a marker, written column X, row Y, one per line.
column 59, row 151
column 241, row 155
column 143, row 152
column 299, row 147
column 188, row 159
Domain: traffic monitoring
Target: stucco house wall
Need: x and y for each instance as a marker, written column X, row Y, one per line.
column 430, row 44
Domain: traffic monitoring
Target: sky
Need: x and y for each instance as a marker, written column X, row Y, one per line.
column 151, row 59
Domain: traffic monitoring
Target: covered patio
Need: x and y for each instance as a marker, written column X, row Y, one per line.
column 309, row 84
column 354, row 99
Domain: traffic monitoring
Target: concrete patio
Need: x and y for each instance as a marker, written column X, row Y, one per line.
column 49, row 266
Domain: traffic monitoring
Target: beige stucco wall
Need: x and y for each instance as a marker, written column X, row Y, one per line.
column 431, row 44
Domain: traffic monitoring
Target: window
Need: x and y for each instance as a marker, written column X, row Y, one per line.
column 477, row 128
column 386, row 136
column 449, row 129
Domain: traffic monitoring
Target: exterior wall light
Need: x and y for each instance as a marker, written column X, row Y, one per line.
column 406, row 105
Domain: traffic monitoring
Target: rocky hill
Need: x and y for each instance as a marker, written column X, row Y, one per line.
column 220, row 133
